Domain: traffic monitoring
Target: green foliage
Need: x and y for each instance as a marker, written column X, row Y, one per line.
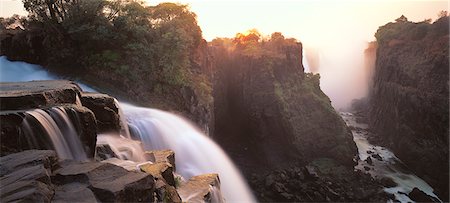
column 124, row 39
column 402, row 29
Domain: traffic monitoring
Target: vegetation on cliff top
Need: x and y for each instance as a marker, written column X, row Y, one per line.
column 127, row 45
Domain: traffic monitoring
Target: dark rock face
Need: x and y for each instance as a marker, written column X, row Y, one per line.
column 15, row 139
column 269, row 112
column 409, row 98
column 321, row 181
column 419, row 196
column 105, row 109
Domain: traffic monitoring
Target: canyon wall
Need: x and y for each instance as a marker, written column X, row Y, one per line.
column 409, row 97
column 270, row 114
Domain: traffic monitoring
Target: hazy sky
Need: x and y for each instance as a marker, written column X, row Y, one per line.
column 337, row 30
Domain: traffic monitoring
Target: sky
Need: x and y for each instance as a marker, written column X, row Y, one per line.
column 336, row 31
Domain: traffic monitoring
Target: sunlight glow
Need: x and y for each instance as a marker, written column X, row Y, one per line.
column 337, row 31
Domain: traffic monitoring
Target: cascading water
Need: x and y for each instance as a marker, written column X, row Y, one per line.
column 59, row 128
column 386, row 165
column 195, row 153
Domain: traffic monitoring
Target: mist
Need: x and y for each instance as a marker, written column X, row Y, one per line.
column 345, row 71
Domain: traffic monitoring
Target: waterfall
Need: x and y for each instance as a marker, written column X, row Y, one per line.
column 195, row 152
column 59, row 128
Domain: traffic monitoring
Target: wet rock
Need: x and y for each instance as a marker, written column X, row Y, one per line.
column 166, row 193
column 105, row 109
column 104, row 152
column 420, row 196
column 377, row 157
column 310, row 172
column 202, row 188
column 387, row 182
column 13, row 135
column 37, row 94
column 369, row 160
column 161, row 156
column 162, row 171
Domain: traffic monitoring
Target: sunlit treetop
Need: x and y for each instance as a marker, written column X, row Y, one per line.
column 253, row 43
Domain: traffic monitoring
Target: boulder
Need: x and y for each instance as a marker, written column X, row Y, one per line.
column 105, row 109
column 369, row 161
column 418, row 195
column 310, row 172
column 107, row 181
column 161, row 156
column 161, row 170
column 202, row 188
column 37, row 94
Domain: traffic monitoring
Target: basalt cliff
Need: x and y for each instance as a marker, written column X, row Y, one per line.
column 409, row 98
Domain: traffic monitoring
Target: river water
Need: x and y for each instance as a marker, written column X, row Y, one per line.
column 384, row 163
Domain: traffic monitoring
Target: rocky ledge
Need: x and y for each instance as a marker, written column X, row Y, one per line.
column 33, row 113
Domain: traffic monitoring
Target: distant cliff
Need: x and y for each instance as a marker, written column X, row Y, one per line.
column 270, row 114
column 410, row 96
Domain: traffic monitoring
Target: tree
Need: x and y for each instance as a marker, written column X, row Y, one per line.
column 401, row 19
column 442, row 14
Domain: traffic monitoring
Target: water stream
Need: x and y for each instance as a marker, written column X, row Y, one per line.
column 384, row 163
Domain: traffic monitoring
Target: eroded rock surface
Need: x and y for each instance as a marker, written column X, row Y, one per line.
column 202, row 188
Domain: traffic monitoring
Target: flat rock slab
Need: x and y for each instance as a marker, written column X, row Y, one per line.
column 73, row 192
column 14, row 162
column 35, row 94
column 202, row 188
column 110, row 183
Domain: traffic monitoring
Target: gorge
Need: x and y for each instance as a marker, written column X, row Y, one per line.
column 137, row 106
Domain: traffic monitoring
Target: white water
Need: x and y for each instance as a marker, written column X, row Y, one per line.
column 390, row 166
column 195, row 153
column 61, row 132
